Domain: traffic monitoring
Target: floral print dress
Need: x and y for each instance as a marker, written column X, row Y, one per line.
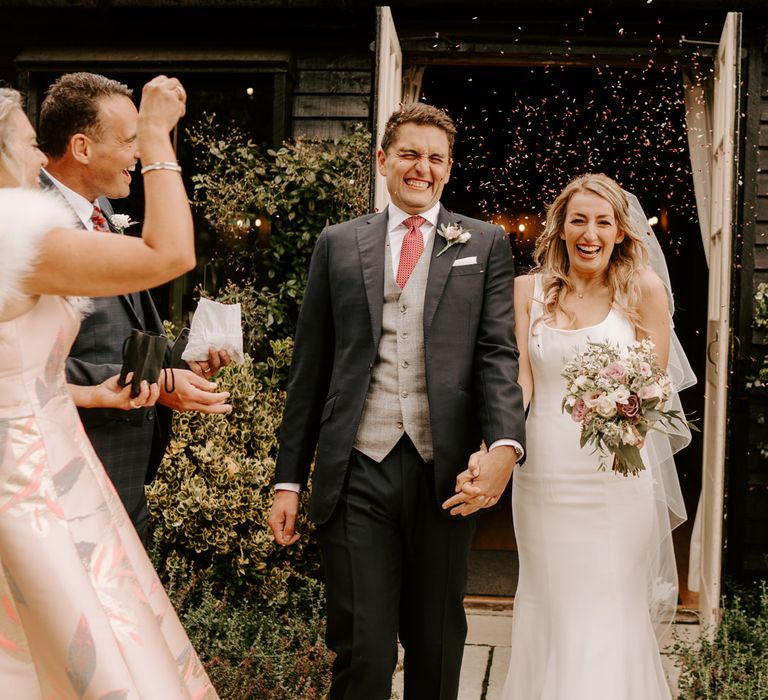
column 82, row 611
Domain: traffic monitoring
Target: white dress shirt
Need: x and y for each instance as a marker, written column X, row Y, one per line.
column 83, row 208
column 396, row 231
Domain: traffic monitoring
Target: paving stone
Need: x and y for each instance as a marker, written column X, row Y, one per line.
column 491, row 629
column 498, row 673
column 473, row 671
column 685, row 633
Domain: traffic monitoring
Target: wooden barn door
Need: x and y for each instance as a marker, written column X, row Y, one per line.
column 388, row 92
column 724, row 178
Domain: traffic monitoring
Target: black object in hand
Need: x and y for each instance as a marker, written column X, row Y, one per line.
column 178, row 348
column 144, row 355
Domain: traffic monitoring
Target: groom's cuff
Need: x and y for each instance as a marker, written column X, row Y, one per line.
column 296, row 488
column 510, row 443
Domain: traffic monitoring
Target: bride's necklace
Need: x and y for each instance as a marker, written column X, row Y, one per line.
column 580, row 294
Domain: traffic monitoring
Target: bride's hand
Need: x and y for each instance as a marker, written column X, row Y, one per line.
column 472, row 471
column 468, row 499
column 473, row 466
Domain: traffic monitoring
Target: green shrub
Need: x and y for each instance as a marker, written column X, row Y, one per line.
column 212, row 495
column 734, row 664
column 294, row 191
column 252, row 653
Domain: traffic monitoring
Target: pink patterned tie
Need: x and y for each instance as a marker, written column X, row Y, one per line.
column 99, row 221
column 413, row 247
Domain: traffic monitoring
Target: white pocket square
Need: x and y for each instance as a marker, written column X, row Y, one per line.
column 465, row 261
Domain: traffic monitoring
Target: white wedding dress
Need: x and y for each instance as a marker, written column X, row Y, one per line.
column 581, row 627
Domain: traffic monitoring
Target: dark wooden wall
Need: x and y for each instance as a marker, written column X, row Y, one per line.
column 746, row 554
column 332, row 92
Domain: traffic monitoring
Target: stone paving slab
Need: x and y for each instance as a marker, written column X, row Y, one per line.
column 492, row 628
column 486, row 655
column 498, row 673
column 474, row 671
column 492, row 631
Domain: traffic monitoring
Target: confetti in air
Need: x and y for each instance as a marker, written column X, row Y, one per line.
column 525, row 132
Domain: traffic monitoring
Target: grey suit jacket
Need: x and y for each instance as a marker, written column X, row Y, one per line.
column 471, row 356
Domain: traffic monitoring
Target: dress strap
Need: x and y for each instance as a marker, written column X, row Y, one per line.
column 537, row 301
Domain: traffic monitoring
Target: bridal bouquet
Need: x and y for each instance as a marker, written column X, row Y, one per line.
column 618, row 396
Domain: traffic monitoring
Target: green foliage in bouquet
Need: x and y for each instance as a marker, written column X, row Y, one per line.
column 294, row 191
column 731, row 665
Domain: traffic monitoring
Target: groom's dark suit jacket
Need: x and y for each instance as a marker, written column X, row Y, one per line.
column 130, row 444
column 470, row 351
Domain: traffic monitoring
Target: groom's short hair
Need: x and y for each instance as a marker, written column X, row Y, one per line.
column 423, row 115
column 71, row 106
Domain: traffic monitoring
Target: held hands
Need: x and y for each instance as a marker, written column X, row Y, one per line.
column 484, row 480
column 282, row 517
column 216, row 360
column 192, row 393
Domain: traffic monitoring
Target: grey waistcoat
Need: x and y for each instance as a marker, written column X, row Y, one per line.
column 396, row 402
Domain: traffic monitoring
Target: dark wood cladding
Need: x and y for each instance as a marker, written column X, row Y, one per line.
column 747, row 499
column 333, row 92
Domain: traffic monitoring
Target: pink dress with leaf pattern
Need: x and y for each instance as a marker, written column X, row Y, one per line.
column 82, row 612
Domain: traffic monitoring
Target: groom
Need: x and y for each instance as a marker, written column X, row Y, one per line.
column 404, row 361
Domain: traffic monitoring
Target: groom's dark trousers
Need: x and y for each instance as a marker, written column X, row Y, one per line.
column 386, row 537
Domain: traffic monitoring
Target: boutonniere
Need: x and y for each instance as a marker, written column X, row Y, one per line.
column 453, row 234
column 121, row 222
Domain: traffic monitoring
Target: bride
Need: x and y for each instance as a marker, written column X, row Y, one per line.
column 83, row 613
column 597, row 574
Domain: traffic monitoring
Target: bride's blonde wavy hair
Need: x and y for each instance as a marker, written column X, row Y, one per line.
column 628, row 257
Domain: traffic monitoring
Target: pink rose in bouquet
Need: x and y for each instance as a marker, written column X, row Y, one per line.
column 579, row 410
column 632, row 409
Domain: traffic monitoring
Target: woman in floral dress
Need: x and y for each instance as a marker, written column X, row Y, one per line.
column 83, row 613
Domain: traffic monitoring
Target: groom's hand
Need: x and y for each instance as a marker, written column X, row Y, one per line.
column 483, row 490
column 282, row 517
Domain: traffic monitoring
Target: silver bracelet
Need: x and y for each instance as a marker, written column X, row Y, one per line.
column 162, row 165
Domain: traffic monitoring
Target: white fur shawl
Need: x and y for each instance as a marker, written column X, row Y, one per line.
column 25, row 216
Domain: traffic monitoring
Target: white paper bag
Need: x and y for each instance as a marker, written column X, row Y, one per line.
column 215, row 326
